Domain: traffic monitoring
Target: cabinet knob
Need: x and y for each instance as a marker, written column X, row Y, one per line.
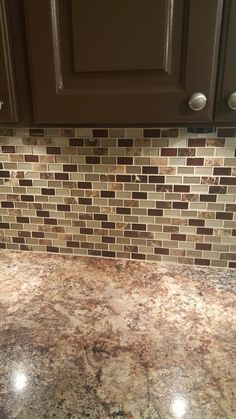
column 232, row 101
column 1, row 104
column 197, row 101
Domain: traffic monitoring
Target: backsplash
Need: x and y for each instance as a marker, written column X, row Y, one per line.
column 154, row 194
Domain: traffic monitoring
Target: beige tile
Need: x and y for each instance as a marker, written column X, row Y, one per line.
column 133, row 132
column 185, row 170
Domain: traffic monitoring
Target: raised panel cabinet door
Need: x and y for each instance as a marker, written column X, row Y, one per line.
column 226, row 84
column 122, row 62
column 8, row 97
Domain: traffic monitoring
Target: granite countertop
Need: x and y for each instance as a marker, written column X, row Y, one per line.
column 99, row 338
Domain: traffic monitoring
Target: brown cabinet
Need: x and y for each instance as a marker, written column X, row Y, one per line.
column 226, row 84
column 8, row 95
column 122, row 62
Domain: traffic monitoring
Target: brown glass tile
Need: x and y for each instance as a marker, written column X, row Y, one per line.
column 180, row 205
column 228, row 180
column 8, row 132
column 205, row 262
column 203, row 246
column 43, row 213
column 84, row 185
column 139, row 195
column 23, row 220
column 125, row 142
column 86, row 230
column 108, row 239
column 208, row 198
column 48, row 191
column 50, row 221
column 25, row 182
column 205, row 231
column 196, row 142
column 5, row 204
column 226, row 132
column 150, row 169
column 27, row 198
column 195, row 161
column 196, row 222
column 8, row 149
column 85, row 201
column 161, row 251
column 123, row 210
column 61, row 176
column 151, row 133
column 155, row 212
column 70, row 168
column 217, row 189
column 100, row 133
column 5, row 225
column 38, row 234
column 123, row 178
column 73, row 244
column 168, row 151
column 181, row 188
column 2, row 245
column 222, row 171
column 178, row 237
column 31, row 158
column 232, row 264
column 18, row 240
column 107, row 254
column 4, row 174
column 128, row 233
column 36, row 132
column 100, row 217
column 224, row 215
column 139, row 227
column 53, row 150
column 108, row 194
column 230, row 207
column 156, row 179
column 107, row 224
column 139, row 256
column 76, row 142
column 62, row 207
column 125, row 160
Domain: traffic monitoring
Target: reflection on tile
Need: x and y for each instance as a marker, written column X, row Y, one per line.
column 98, row 338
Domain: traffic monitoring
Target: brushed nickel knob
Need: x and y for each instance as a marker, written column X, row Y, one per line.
column 1, row 104
column 197, row 101
column 232, row 101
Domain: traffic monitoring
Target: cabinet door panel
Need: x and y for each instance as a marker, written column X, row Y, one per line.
column 227, row 72
column 126, row 62
column 8, row 112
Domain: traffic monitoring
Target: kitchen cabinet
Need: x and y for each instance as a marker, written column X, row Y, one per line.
column 226, row 83
column 8, row 93
column 123, row 62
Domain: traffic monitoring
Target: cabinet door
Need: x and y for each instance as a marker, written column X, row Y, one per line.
column 8, row 99
column 122, row 62
column 227, row 69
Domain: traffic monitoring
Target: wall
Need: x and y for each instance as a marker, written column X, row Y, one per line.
column 154, row 194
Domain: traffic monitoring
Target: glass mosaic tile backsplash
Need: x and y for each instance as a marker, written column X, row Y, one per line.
column 166, row 194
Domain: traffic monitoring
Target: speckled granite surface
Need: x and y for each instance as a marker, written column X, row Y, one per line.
column 89, row 338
